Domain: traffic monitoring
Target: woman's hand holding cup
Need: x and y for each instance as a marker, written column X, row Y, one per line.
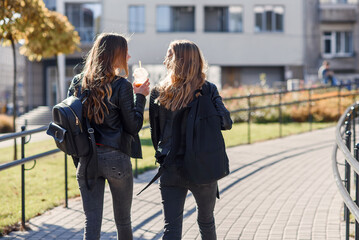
column 143, row 88
column 141, row 83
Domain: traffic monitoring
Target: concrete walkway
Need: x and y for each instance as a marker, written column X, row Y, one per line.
column 278, row 189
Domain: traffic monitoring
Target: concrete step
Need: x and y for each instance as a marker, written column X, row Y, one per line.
column 41, row 115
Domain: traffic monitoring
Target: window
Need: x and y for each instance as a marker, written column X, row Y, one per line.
column 269, row 18
column 85, row 18
column 223, row 19
column 50, row 4
column 175, row 19
column 338, row 43
column 51, row 78
column 136, row 21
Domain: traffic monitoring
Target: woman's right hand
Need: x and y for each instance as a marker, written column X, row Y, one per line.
column 144, row 89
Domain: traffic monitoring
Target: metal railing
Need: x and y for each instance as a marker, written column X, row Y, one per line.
column 250, row 109
column 346, row 142
column 23, row 134
column 353, row 86
column 339, row 1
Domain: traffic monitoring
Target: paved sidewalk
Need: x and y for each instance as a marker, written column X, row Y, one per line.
column 278, row 189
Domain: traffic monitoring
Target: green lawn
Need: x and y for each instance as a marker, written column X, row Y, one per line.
column 45, row 183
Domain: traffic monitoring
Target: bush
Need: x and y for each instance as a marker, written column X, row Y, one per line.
column 6, row 124
column 299, row 113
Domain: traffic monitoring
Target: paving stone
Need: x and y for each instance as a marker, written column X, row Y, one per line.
column 278, row 189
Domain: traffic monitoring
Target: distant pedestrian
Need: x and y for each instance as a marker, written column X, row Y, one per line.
column 185, row 74
column 116, row 119
column 326, row 75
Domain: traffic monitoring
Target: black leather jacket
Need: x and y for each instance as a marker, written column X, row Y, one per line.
column 161, row 121
column 124, row 120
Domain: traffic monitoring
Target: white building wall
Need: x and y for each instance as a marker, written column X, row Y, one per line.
column 225, row 49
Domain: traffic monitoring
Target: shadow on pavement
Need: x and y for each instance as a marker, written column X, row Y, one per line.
column 305, row 148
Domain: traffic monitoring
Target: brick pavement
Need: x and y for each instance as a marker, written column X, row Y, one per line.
column 278, row 189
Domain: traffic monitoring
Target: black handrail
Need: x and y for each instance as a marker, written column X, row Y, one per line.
column 22, row 133
column 28, row 159
column 290, row 103
column 345, row 129
column 250, row 109
column 24, row 160
column 285, row 91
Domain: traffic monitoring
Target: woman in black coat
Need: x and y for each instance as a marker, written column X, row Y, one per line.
column 185, row 74
column 116, row 119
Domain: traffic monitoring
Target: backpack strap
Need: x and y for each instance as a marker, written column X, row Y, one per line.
column 217, row 194
column 93, row 156
column 157, row 176
column 206, row 88
column 190, row 124
column 176, row 138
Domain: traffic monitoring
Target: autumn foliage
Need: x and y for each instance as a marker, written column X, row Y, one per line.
column 5, row 123
column 324, row 110
column 43, row 33
column 58, row 36
column 18, row 18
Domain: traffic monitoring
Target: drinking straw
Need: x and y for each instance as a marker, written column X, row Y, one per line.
column 140, row 63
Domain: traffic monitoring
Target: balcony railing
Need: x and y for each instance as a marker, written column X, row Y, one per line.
column 338, row 11
column 339, row 1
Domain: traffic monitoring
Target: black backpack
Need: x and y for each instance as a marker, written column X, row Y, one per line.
column 74, row 135
column 69, row 128
column 205, row 158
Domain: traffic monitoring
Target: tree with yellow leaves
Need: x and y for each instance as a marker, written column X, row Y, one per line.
column 57, row 36
column 44, row 33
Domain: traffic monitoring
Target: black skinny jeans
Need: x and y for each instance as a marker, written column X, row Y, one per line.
column 116, row 167
column 174, row 188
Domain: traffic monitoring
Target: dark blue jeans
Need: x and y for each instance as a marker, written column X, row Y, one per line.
column 115, row 167
column 174, row 188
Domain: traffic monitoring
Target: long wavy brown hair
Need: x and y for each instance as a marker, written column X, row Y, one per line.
column 186, row 69
column 106, row 57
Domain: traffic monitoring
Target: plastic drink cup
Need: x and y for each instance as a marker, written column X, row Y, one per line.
column 140, row 74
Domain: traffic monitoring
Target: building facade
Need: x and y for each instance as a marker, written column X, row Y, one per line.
column 40, row 86
column 7, row 80
column 247, row 42
column 243, row 41
column 332, row 30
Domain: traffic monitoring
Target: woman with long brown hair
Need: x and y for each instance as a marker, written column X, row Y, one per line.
column 116, row 119
column 185, row 75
